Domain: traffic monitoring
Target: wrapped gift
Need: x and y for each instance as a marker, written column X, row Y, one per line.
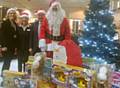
column 103, row 75
column 24, row 83
column 115, row 80
column 31, row 58
column 70, row 68
column 8, row 78
column 45, row 84
column 41, row 67
column 28, row 64
column 47, row 68
column 38, row 66
column 60, row 76
column 80, row 79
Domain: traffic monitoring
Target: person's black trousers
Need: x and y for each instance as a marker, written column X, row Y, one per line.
column 6, row 63
column 22, row 59
column 7, row 58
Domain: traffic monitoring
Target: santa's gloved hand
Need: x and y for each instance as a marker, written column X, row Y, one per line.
column 42, row 45
column 43, row 49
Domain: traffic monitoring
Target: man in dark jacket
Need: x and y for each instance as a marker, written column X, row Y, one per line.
column 24, row 40
column 36, row 30
column 0, row 43
column 9, row 37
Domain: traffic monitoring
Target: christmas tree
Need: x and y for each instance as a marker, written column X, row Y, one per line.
column 99, row 31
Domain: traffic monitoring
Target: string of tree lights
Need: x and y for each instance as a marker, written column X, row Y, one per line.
column 99, row 31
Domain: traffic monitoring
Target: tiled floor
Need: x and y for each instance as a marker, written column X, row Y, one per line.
column 13, row 67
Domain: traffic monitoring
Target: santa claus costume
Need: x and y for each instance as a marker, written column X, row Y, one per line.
column 55, row 32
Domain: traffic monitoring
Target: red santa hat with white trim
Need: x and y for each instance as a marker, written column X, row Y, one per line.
column 24, row 15
column 53, row 2
column 11, row 9
column 40, row 12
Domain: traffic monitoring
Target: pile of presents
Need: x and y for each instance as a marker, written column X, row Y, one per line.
column 46, row 73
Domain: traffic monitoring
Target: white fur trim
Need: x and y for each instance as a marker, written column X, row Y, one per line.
column 42, row 43
column 40, row 11
column 26, row 16
column 55, row 3
column 11, row 9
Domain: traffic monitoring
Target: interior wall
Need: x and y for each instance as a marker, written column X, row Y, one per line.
column 79, row 14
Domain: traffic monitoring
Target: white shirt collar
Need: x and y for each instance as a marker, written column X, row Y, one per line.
column 24, row 27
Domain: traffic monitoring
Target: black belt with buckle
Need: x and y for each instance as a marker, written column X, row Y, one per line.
column 54, row 38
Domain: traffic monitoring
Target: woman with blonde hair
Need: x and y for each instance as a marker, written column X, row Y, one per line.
column 10, row 37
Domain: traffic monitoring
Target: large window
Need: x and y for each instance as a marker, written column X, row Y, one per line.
column 75, row 25
column 114, row 4
column 3, row 11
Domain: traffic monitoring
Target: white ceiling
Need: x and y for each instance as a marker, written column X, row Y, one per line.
column 32, row 5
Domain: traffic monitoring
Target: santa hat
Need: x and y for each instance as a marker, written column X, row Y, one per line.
column 40, row 11
column 24, row 15
column 11, row 9
column 53, row 3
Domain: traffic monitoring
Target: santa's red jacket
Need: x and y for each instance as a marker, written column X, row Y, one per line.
column 72, row 50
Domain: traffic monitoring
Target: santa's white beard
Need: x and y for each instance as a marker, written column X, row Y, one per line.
column 54, row 20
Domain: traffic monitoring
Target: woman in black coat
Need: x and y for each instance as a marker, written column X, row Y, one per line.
column 9, row 37
column 24, row 42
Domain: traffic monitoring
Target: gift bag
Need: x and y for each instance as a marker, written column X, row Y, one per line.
column 59, row 55
column 28, row 64
column 73, row 53
column 8, row 78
